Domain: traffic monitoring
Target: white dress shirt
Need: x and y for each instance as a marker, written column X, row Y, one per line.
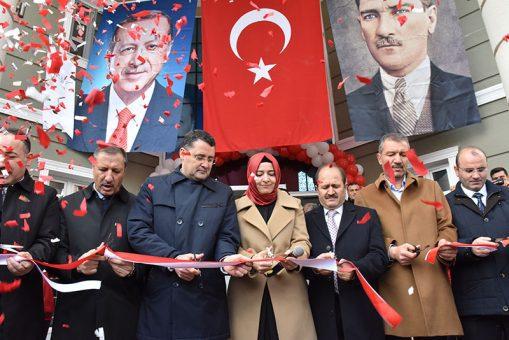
column 137, row 108
column 397, row 192
column 417, row 85
column 337, row 217
column 471, row 193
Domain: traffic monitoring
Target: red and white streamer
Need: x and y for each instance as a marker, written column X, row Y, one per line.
column 431, row 255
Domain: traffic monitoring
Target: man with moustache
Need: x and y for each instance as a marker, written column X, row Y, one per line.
column 22, row 309
column 111, row 311
column 409, row 94
column 480, row 211
column 419, row 291
column 129, row 117
column 339, row 229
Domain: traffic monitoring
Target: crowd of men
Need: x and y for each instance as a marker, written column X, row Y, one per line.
column 187, row 215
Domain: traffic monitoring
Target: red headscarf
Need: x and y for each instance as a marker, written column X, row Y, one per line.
column 252, row 166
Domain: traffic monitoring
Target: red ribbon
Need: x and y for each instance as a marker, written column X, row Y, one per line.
column 74, row 264
column 432, row 254
column 385, row 310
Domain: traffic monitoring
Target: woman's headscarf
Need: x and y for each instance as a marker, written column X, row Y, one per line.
column 252, row 167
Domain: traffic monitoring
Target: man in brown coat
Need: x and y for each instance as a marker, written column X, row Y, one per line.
column 419, row 291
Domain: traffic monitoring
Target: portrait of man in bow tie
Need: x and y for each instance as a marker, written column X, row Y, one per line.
column 409, row 93
column 141, row 110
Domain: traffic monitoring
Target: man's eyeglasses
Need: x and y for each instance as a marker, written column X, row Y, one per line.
column 202, row 158
column 471, row 171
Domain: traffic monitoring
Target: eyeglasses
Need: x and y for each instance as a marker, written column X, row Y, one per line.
column 471, row 171
column 202, row 158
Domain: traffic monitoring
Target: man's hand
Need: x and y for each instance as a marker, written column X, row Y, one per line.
column 187, row 274
column 20, row 264
column 238, row 270
column 446, row 252
column 345, row 272
column 483, row 252
column 121, row 268
column 404, row 254
column 288, row 263
column 89, row 267
column 262, row 266
column 324, row 272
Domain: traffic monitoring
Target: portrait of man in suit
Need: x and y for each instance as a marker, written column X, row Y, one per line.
column 409, row 93
column 138, row 113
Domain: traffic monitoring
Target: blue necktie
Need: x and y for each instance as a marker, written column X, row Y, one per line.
column 480, row 204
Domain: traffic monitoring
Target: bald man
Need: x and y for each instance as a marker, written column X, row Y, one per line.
column 480, row 276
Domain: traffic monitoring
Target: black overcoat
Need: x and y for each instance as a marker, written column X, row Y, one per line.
column 115, row 306
column 361, row 243
column 23, row 308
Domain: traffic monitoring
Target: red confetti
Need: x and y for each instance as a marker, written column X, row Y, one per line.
column 26, row 227
column 83, row 209
column 341, row 83
column 92, row 160
column 24, row 216
column 16, row 94
column 141, row 59
column 55, row 63
column 23, row 199
column 7, row 287
column 119, row 229
column 176, row 103
column 63, row 204
column 229, row 94
column 194, row 55
column 187, row 68
column 95, row 97
column 363, row 80
column 11, row 223
column 176, row 7
column 436, row 204
column 150, row 186
column 254, row 5
column 402, row 19
column 43, row 137
column 2, row 318
column 65, row 325
column 141, row 14
column 364, row 218
column 39, row 188
column 180, row 23
column 389, row 172
column 265, row 93
column 330, row 43
column 201, row 86
column 61, row 152
column 418, row 165
column 506, row 38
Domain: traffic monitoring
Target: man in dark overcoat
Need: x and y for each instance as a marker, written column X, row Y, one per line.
column 112, row 311
column 30, row 219
column 186, row 215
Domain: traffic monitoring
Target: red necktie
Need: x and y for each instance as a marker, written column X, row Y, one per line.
column 119, row 136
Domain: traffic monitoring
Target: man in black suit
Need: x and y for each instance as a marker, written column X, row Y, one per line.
column 409, row 94
column 23, row 308
column 138, row 113
column 341, row 309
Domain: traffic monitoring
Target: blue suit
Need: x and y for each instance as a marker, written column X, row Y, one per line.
column 181, row 216
column 152, row 135
column 453, row 105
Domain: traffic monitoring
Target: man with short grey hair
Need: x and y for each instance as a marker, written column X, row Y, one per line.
column 415, row 217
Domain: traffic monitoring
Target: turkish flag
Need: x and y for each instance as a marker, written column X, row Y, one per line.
column 264, row 74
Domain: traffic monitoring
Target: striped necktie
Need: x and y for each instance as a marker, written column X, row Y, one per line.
column 403, row 112
column 480, row 204
column 333, row 230
column 119, row 136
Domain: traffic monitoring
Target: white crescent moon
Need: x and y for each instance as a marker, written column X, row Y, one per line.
column 256, row 16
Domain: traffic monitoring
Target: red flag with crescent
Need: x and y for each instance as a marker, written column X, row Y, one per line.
column 264, row 74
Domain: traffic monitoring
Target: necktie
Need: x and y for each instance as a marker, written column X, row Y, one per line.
column 480, row 204
column 403, row 112
column 333, row 230
column 119, row 136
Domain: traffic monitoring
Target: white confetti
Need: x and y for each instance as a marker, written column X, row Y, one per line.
column 55, row 240
column 16, row 83
column 411, row 290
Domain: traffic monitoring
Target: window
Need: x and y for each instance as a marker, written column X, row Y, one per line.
column 306, row 182
column 64, row 179
column 441, row 167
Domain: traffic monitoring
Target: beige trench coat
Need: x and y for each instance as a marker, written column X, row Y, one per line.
column 421, row 292
column 285, row 230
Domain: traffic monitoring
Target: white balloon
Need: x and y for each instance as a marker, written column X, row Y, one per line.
column 360, row 168
column 328, row 157
column 312, row 151
column 322, row 147
column 316, row 161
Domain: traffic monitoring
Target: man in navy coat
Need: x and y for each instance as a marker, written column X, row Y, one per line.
column 186, row 215
column 138, row 113
column 341, row 310
column 480, row 211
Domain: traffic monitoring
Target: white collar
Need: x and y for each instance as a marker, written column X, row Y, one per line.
column 135, row 106
column 339, row 210
column 471, row 193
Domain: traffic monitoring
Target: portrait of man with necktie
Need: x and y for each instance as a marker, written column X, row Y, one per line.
column 408, row 93
column 141, row 110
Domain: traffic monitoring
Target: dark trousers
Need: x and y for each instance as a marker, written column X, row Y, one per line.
column 493, row 327
column 391, row 337
column 339, row 321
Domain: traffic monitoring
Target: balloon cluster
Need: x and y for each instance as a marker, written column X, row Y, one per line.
column 316, row 154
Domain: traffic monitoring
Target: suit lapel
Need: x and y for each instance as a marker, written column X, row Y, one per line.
column 384, row 117
column 252, row 215
column 346, row 219
column 439, row 109
column 280, row 217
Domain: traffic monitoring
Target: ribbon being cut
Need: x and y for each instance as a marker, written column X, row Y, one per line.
column 431, row 255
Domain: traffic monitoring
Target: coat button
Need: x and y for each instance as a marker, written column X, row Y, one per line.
column 179, row 221
column 175, row 284
column 486, row 219
column 200, row 223
column 505, row 308
column 328, row 248
column 502, row 275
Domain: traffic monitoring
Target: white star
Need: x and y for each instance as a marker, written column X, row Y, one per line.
column 262, row 71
